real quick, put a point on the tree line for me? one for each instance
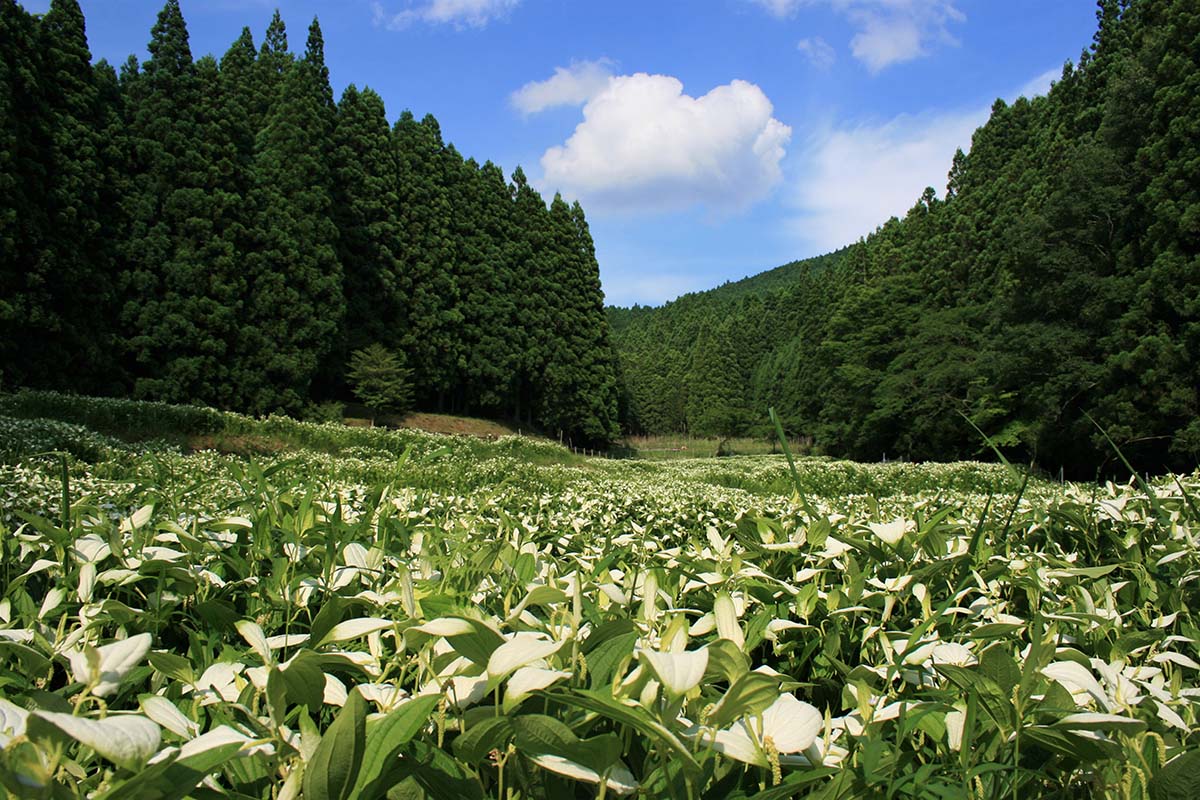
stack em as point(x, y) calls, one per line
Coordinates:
point(225, 232)
point(1050, 298)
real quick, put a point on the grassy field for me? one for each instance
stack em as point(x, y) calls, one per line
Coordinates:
point(376, 613)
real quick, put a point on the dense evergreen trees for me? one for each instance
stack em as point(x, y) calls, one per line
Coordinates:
point(226, 233)
point(1060, 278)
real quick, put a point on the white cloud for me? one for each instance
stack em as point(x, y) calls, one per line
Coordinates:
point(889, 31)
point(779, 8)
point(856, 177)
point(818, 51)
point(569, 86)
point(1041, 84)
point(645, 145)
point(459, 13)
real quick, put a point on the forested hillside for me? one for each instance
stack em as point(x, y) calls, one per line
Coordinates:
point(1057, 278)
point(222, 231)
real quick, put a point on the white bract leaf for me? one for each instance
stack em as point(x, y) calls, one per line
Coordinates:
point(354, 628)
point(51, 601)
point(952, 653)
point(618, 779)
point(112, 662)
point(127, 740)
point(726, 616)
point(1089, 721)
point(530, 679)
point(444, 626)
point(335, 693)
point(790, 724)
point(219, 682)
point(87, 582)
point(889, 532)
point(1174, 658)
point(523, 648)
point(955, 722)
point(12, 721)
point(256, 638)
point(166, 714)
point(1079, 681)
point(678, 672)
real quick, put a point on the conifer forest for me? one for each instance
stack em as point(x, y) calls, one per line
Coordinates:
point(225, 232)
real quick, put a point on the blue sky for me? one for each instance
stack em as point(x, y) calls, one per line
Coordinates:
point(707, 139)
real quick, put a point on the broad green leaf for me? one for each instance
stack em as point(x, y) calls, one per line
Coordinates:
point(748, 695)
point(385, 738)
point(333, 769)
point(635, 717)
point(1178, 779)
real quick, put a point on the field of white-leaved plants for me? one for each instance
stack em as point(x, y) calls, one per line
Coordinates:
point(466, 622)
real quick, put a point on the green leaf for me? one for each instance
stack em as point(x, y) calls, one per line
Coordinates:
point(998, 665)
point(305, 680)
point(996, 704)
point(1179, 778)
point(494, 733)
point(749, 694)
point(726, 661)
point(173, 779)
point(331, 773)
point(385, 738)
point(330, 614)
point(635, 717)
point(606, 659)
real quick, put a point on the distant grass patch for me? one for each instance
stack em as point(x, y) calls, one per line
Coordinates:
point(133, 420)
point(662, 448)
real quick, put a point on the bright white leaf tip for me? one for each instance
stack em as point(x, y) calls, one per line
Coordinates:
point(726, 616)
point(444, 626)
point(792, 726)
point(953, 653)
point(115, 662)
point(889, 532)
point(1100, 722)
point(522, 649)
point(530, 679)
point(1078, 680)
point(618, 779)
point(678, 672)
point(126, 740)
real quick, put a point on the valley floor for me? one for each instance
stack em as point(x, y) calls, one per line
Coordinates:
point(367, 609)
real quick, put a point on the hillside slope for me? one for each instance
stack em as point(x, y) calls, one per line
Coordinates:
point(1057, 281)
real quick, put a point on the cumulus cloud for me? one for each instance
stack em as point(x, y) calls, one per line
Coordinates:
point(568, 86)
point(818, 51)
point(645, 145)
point(459, 13)
point(856, 177)
point(888, 31)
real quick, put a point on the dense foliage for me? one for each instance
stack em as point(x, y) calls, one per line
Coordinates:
point(224, 233)
point(494, 619)
point(1058, 278)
